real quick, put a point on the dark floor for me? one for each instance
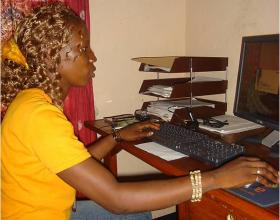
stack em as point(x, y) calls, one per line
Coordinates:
point(172, 216)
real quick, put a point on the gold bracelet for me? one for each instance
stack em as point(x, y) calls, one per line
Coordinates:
point(195, 177)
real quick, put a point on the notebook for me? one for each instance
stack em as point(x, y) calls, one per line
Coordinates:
point(258, 194)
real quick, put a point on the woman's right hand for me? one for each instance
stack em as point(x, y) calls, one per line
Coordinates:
point(245, 170)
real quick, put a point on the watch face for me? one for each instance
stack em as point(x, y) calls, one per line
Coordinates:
point(141, 115)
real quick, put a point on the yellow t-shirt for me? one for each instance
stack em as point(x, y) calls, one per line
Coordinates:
point(37, 142)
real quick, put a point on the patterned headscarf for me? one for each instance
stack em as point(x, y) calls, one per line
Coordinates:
point(12, 11)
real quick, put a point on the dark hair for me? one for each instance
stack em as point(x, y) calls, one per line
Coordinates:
point(40, 37)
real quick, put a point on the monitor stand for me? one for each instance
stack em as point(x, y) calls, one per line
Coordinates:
point(271, 141)
point(275, 148)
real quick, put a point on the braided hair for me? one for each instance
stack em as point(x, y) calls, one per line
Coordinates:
point(40, 37)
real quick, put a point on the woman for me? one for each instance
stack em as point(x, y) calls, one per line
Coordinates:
point(43, 163)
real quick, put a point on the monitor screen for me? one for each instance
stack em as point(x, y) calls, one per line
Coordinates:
point(257, 90)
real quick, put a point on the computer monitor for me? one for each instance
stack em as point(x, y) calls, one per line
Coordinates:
point(257, 89)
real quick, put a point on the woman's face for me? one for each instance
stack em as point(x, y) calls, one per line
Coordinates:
point(76, 67)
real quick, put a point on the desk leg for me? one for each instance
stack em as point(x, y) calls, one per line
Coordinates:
point(183, 211)
point(110, 162)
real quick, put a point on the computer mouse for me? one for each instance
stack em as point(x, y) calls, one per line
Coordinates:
point(247, 185)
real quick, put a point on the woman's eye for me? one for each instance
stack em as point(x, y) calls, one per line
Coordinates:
point(83, 50)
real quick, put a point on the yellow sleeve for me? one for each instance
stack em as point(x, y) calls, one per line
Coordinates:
point(53, 140)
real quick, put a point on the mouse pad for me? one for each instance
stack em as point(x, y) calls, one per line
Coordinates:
point(258, 194)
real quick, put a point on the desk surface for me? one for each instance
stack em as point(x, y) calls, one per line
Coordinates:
point(182, 167)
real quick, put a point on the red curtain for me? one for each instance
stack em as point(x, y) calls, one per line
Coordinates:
point(79, 104)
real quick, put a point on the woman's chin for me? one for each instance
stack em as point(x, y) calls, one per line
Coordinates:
point(92, 75)
point(81, 84)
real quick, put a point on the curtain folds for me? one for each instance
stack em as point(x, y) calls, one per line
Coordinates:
point(79, 104)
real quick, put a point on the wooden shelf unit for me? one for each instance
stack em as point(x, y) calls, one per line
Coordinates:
point(199, 112)
point(181, 64)
point(183, 87)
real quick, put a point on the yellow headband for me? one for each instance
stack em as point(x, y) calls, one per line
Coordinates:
point(11, 52)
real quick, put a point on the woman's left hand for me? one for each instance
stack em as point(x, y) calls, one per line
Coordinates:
point(138, 130)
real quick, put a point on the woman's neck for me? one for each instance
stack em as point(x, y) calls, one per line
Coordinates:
point(65, 88)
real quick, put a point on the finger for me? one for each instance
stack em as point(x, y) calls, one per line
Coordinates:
point(263, 181)
point(266, 182)
point(261, 170)
point(269, 176)
point(261, 166)
point(145, 134)
point(264, 172)
point(251, 158)
point(154, 123)
point(155, 120)
point(150, 126)
point(273, 185)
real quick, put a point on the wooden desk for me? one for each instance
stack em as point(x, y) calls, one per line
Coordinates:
point(215, 205)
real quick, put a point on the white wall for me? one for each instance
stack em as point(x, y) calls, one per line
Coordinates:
point(216, 27)
point(125, 29)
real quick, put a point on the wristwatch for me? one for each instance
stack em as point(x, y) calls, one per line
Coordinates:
point(117, 136)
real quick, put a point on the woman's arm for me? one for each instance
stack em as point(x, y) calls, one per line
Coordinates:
point(98, 184)
point(102, 147)
point(130, 133)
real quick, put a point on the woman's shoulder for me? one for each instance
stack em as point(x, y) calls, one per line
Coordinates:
point(30, 108)
point(34, 103)
point(34, 94)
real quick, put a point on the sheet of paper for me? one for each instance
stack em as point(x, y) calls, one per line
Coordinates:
point(235, 125)
point(162, 90)
point(205, 79)
point(160, 151)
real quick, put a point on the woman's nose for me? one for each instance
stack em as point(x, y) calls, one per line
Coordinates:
point(92, 57)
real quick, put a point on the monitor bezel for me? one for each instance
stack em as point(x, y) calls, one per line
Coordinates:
point(246, 115)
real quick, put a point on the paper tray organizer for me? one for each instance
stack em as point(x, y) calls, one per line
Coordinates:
point(184, 87)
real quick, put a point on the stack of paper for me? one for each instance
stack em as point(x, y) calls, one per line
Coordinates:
point(165, 109)
point(161, 90)
point(150, 68)
point(162, 110)
point(189, 103)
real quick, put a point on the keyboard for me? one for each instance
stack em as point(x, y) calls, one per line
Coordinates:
point(195, 144)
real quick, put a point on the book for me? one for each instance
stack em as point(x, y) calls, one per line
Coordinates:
point(162, 90)
point(116, 118)
point(258, 194)
point(165, 109)
point(233, 124)
point(120, 121)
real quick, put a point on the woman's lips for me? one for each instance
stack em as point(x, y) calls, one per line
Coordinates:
point(91, 72)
